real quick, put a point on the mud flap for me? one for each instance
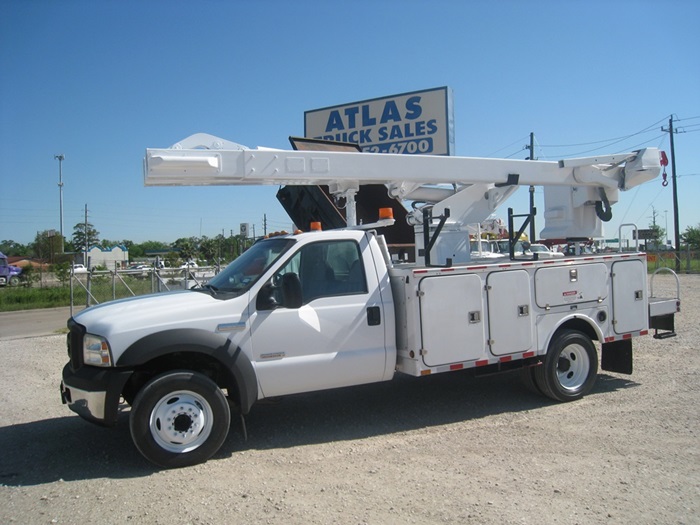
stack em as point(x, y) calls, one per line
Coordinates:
point(617, 356)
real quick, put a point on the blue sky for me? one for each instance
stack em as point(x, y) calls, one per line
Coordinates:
point(100, 81)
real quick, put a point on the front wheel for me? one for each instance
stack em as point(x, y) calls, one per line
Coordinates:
point(179, 419)
point(570, 367)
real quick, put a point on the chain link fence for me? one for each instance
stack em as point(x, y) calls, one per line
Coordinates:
point(99, 286)
point(686, 261)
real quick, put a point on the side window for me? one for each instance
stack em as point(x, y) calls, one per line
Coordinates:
point(346, 261)
point(326, 269)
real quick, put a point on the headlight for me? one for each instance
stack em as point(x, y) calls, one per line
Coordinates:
point(96, 351)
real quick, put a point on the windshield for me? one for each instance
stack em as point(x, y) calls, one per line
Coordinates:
point(503, 246)
point(538, 248)
point(240, 275)
point(474, 246)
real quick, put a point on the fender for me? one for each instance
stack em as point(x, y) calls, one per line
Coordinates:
point(237, 365)
point(580, 317)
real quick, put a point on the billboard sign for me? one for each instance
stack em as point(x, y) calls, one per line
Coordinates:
point(420, 122)
point(644, 235)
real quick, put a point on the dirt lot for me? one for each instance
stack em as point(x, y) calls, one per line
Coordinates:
point(443, 449)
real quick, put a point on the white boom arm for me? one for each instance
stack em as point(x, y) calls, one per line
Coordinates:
point(479, 185)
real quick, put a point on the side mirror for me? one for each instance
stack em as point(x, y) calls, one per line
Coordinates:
point(266, 298)
point(291, 290)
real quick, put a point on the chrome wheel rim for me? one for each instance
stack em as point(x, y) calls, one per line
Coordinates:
point(573, 366)
point(181, 421)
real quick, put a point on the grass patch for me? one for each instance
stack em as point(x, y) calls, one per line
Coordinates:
point(22, 298)
point(102, 290)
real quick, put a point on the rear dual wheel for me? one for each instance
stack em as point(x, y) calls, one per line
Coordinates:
point(570, 367)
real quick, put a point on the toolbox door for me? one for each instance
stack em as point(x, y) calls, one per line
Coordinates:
point(510, 312)
point(575, 284)
point(629, 288)
point(451, 316)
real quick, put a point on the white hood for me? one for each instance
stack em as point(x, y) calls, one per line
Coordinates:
point(125, 321)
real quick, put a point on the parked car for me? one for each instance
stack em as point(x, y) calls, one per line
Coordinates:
point(189, 264)
point(79, 268)
point(519, 248)
point(485, 250)
point(139, 270)
point(543, 252)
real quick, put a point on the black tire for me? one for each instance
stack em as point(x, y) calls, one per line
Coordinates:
point(14, 281)
point(179, 419)
point(527, 375)
point(570, 367)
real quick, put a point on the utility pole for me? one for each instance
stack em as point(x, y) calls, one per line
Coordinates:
point(264, 223)
point(87, 241)
point(676, 227)
point(532, 191)
point(60, 158)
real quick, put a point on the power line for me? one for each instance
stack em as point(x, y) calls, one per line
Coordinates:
point(663, 136)
point(508, 146)
point(579, 153)
point(515, 153)
point(612, 140)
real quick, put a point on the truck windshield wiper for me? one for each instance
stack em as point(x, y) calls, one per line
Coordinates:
point(213, 289)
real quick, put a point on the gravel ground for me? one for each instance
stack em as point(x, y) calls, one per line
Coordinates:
point(442, 449)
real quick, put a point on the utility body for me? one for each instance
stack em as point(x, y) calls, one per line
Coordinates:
point(326, 309)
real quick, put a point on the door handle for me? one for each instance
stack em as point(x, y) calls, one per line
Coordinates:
point(374, 316)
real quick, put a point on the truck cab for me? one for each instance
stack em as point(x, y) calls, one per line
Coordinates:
point(294, 313)
point(9, 274)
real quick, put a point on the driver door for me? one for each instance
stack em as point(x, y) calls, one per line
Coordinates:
point(336, 338)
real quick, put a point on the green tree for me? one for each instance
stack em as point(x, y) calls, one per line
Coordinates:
point(136, 251)
point(139, 251)
point(691, 237)
point(85, 236)
point(62, 272)
point(171, 259)
point(12, 248)
point(658, 235)
point(30, 274)
point(187, 247)
point(127, 244)
point(47, 245)
point(69, 247)
point(210, 248)
point(105, 243)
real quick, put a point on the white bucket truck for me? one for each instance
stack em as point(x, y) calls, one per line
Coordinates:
point(325, 309)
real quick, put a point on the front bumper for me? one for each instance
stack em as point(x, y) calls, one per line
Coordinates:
point(93, 393)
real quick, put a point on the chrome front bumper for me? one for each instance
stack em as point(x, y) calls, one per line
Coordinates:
point(89, 405)
point(93, 393)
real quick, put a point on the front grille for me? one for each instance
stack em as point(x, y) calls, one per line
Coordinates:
point(74, 341)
